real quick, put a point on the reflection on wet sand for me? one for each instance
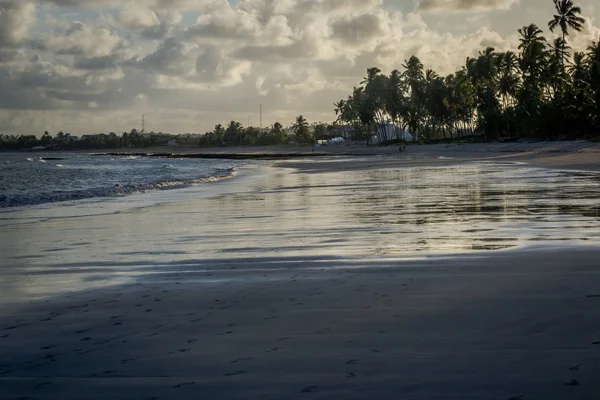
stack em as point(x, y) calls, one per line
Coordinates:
point(445, 210)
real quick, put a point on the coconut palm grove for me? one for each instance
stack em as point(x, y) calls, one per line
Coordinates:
point(542, 90)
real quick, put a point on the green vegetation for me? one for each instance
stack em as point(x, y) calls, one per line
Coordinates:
point(540, 91)
point(300, 132)
point(132, 139)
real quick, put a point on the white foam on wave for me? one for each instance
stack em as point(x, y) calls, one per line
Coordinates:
point(113, 191)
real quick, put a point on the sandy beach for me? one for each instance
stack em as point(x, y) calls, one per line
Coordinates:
point(445, 272)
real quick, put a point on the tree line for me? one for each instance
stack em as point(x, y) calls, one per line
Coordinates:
point(231, 135)
point(542, 90)
point(132, 139)
point(234, 134)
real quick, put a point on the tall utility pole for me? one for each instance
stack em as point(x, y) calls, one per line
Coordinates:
point(260, 117)
point(143, 123)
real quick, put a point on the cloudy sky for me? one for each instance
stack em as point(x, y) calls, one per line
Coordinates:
point(86, 66)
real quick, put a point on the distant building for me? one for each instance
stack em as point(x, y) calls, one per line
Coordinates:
point(340, 131)
point(392, 132)
point(172, 142)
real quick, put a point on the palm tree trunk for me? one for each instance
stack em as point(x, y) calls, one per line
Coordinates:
point(564, 45)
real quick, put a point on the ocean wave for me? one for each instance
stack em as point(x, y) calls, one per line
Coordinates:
point(113, 191)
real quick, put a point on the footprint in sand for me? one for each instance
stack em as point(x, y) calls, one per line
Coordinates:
point(575, 368)
point(192, 341)
point(241, 360)
point(42, 384)
point(183, 384)
point(236, 373)
point(351, 362)
point(10, 328)
point(48, 347)
point(350, 375)
point(272, 350)
point(309, 389)
point(517, 398)
point(572, 383)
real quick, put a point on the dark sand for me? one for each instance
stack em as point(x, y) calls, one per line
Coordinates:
point(316, 286)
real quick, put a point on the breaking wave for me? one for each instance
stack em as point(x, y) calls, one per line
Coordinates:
point(15, 200)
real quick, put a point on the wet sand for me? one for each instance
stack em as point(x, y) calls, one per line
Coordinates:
point(435, 278)
point(571, 155)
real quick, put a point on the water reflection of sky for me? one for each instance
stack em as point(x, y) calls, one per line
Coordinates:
point(446, 210)
point(288, 219)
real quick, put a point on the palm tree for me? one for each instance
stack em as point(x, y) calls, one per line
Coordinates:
point(277, 129)
point(301, 130)
point(593, 60)
point(567, 16)
point(300, 122)
point(339, 109)
point(530, 34)
point(234, 132)
point(508, 82)
point(560, 50)
point(414, 113)
point(395, 98)
point(372, 73)
point(437, 94)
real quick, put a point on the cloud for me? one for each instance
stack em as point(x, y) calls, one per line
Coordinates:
point(355, 30)
point(465, 5)
point(83, 39)
point(153, 4)
point(189, 64)
point(16, 18)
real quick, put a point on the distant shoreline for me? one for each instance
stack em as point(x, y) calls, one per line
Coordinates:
point(578, 155)
point(235, 156)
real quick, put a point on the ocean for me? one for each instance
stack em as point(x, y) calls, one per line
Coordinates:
point(39, 178)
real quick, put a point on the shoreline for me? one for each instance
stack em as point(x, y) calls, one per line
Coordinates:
point(573, 155)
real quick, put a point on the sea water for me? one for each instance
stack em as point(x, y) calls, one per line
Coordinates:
point(39, 178)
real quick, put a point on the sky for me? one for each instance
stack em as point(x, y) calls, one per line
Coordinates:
point(90, 66)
